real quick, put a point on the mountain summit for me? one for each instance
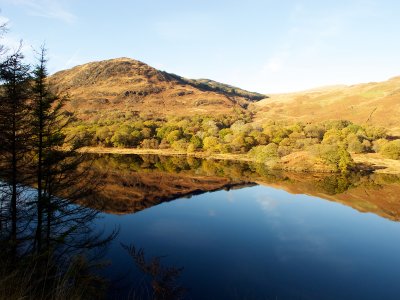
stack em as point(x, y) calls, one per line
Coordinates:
point(128, 85)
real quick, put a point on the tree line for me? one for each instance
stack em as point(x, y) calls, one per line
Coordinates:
point(332, 142)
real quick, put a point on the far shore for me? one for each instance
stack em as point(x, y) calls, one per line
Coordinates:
point(166, 152)
point(375, 161)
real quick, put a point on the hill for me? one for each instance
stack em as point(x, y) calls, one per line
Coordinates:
point(376, 103)
point(125, 85)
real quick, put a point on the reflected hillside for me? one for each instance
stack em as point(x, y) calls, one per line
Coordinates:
point(369, 193)
point(131, 183)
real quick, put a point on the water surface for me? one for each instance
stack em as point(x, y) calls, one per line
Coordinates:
point(235, 239)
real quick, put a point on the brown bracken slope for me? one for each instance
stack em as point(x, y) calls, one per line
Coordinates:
point(376, 103)
point(129, 86)
point(126, 87)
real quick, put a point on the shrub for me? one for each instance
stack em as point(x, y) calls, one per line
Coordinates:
point(354, 144)
point(304, 143)
point(314, 131)
point(284, 150)
point(332, 136)
point(378, 144)
point(375, 133)
point(173, 136)
point(223, 132)
point(149, 144)
point(209, 143)
point(264, 153)
point(391, 149)
point(196, 142)
point(191, 148)
point(180, 145)
point(146, 132)
point(335, 155)
point(260, 138)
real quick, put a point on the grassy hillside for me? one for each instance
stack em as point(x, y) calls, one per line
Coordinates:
point(375, 103)
point(125, 86)
point(128, 87)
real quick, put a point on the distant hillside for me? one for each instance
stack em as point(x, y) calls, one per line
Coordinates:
point(211, 85)
point(376, 103)
point(125, 85)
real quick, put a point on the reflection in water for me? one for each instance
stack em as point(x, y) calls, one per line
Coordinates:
point(249, 239)
point(56, 248)
point(164, 283)
point(244, 241)
point(131, 183)
point(263, 243)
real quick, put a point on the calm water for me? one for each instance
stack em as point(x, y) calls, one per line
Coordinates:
point(259, 242)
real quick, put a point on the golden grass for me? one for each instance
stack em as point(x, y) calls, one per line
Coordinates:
point(125, 85)
point(382, 165)
point(375, 103)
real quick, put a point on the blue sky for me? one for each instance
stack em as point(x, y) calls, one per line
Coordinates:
point(265, 46)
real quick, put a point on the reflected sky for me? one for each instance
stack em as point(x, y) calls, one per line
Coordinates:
point(263, 243)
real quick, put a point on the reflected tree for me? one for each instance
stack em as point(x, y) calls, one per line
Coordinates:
point(163, 280)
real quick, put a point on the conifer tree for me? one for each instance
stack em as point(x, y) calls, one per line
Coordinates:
point(14, 131)
point(46, 136)
point(58, 179)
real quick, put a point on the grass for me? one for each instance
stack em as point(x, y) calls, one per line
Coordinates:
point(38, 277)
point(354, 103)
point(382, 165)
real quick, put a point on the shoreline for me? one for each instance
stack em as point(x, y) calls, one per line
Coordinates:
point(166, 152)
point(374, 161)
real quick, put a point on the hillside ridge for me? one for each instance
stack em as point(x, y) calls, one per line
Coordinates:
point(124, 87)
point(128, 85)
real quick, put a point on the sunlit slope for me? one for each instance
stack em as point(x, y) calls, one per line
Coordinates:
point(127, 87)
point(376, 103)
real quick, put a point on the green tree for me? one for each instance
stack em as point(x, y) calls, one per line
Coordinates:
point(354, 144)
point(264, 153)
point(332, 136)
point(335, 155)
point(210, 143)
point(59, 182)
point(47, 124)
point(173, 136)
point(14, 128)
point(196, 142)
